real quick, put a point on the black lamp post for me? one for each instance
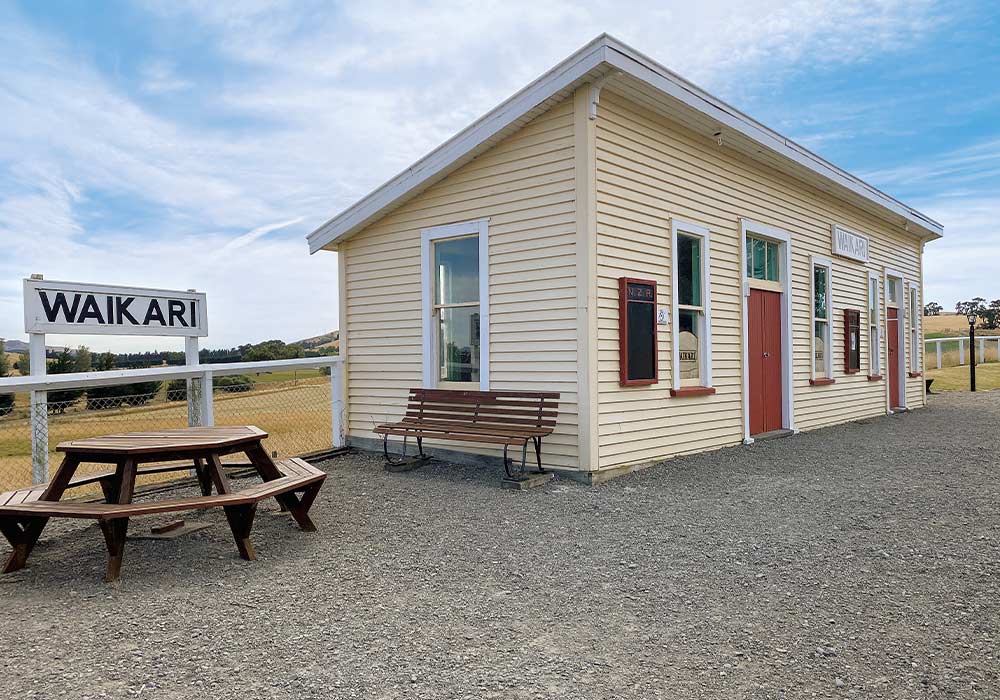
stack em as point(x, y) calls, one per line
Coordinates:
point(972, 349)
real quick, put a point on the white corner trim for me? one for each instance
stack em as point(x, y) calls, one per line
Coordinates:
point(814, 262)
point(749, 227)
point(478, 227)
point(705, 337)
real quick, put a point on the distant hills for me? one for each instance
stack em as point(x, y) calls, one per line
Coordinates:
point(327, 340)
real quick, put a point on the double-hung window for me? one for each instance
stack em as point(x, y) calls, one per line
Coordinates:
point(822, 357)
point(913, 312)
point(692, 315)
point(874, 326)
point(455, 309)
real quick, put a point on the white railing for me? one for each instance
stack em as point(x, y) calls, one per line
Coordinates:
point(962, 342)
point(200, 394)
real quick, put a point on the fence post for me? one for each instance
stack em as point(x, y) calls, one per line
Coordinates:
point(336, 404)
point(982, 350)
point(39, 411)
point(938, 349)
point(961, 351)
point(191, 357)
point(207, 409)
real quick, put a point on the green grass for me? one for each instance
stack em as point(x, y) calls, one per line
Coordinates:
point(957, 378)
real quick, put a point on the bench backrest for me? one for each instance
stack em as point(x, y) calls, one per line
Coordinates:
point(537, 409)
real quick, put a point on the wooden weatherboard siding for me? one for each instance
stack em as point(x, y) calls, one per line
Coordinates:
point(526, 186)
point(650, 169)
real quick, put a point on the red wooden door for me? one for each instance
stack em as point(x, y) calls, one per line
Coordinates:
point(892, 331)
point(764, 356)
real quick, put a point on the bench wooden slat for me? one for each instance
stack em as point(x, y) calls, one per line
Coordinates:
point(444, 435)
point(498, 393)
point(484, 428)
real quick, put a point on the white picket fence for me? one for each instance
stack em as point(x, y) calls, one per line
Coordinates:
point(200, 394)
point(963, 343)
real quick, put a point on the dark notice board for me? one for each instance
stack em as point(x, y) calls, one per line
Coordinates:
point(852, 341)
point(637, 331)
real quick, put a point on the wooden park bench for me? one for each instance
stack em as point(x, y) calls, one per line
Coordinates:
point(489, 417)
point(23, 513)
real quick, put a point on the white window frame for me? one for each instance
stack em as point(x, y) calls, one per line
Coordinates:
point(428, 236)
point(913, 321)
point(874, 353)
point(784, 239)
point(814, 262)
point(705, 330)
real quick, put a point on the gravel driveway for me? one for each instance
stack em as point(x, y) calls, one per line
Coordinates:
point(856, 561)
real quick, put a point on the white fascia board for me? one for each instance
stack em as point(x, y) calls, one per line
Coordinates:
point(630, 61)
point(562, 76)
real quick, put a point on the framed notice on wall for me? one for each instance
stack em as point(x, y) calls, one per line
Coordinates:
point(852, 341)
point(637, 331)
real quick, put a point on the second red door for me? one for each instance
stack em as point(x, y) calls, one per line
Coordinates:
point(764, 356)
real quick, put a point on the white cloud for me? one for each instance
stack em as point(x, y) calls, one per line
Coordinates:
point(160, 77)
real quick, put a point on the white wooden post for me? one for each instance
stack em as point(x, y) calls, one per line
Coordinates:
point(982, 350)
point(336, 404)
point(39, 410)
point(191, 357)
point(207, 408)
point(937, 347)
point(961, 351)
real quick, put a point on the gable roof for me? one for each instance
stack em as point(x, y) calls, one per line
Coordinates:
point(647, 82)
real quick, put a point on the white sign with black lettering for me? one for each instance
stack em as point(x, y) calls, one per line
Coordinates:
point(101, 309)
point(849, 244)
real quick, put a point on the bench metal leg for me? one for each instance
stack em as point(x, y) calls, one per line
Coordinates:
point(538, 453)
point(515, 471)
point(402, 458)
point(241, 522)
point(114, 537)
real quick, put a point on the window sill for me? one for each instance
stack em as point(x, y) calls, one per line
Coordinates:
point(874, 377)
point(692, 391)
point(851, 371)
point(913, 375)
point(821, 382)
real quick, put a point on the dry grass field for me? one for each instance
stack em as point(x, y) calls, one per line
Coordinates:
point(295, 414)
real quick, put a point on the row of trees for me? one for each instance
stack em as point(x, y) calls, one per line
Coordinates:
point(987, 313)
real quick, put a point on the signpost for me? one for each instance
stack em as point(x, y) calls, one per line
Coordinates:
point(99, 309)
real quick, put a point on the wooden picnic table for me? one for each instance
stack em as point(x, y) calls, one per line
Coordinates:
point(24, 513)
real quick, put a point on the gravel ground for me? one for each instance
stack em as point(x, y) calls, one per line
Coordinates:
point(856, 561)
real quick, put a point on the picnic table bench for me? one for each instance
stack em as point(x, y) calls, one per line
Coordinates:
point(24, 513)
point(487, 417)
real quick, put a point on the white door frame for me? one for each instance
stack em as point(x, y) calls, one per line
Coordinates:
point(784, 241)
point(900, 337)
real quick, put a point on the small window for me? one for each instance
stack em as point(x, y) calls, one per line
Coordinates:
point(763, 258)
point(892, 291)
point(914, 315)
point(874, 337)
point(822, 366)
point(692, 333)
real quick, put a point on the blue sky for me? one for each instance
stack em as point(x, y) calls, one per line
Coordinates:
point(193, 145)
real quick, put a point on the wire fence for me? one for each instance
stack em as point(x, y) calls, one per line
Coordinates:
point(294, 411)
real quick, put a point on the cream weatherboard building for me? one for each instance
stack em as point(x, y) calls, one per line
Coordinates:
point(685, 277)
